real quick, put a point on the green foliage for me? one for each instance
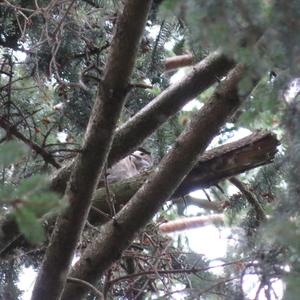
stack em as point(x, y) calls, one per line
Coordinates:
point(263, 108)
point(262, 34)
point(292, 288)
point(29, 225)
point(30, 199)
point(169, 5)
point(10, 152)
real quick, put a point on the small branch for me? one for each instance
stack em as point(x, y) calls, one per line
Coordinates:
point(87, 284)
point(179, 61)
point(213, 166)
point(260, 214)
point(6, 246)
point(101, 213)
point(109, 195)
point(190, 223)
point(88, 224)
point(131, 134)
point(201, 203)
point(10, 129)
point(117, 234)
point(62, 19)
point(178, 271)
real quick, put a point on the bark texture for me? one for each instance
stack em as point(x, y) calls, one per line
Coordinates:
point(191, 222)
point(178, 61)
point(130, 135)
point(213, 166)
point(111, 96)
point(119, 232)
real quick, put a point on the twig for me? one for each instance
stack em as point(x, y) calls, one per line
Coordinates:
point(260, 214)
point(174, 271)
point(2, 250)
point(101, 213)
point(109, 198)
point(44, 153)
point(88, 224)
point(85, 283)
point(190, 222)
point(62, 19)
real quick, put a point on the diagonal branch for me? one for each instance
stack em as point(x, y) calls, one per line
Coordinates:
point(213, 166)
point(119, 232)
point(91, 287)
point(260, 214)
point(190, 223)
point(178, 61)
point(159, 110)
point(89, 163)
point(130, 135)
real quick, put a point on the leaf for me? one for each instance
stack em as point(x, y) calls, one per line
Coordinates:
point(10, 152)
point(29, 225)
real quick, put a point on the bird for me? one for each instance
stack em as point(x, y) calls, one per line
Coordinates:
point(129, 166)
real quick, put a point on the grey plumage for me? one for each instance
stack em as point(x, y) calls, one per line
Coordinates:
point(129, 166)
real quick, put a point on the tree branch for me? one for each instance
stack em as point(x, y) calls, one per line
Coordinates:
point(187, 200)
point(178, 61)
point(191, 222)
point(213, 166)
point(91, 287)
point(11, 129)
point(193, 270)
point(260, 214)
point(130, 135)
point(89, 163)
point(119, 232)
point(160, 109)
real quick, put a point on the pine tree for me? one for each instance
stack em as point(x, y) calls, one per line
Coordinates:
point(86, 87)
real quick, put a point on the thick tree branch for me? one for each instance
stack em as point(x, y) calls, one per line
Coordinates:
point(130, 135)
point(118, 233)
point(98, 138)
point(159, 110)
point(191, 222)
point(222, 162)
point(213, 166)
point(178, 61)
